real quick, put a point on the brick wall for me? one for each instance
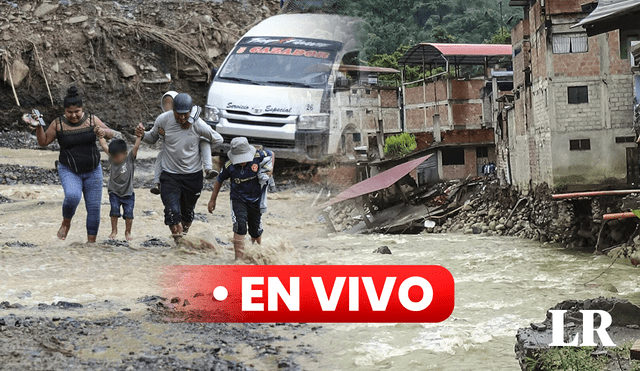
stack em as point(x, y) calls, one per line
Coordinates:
point(617, 65)
point(467, 136)
point(462, 171)
point(564, 6)
point(466, 114)
point(389, 98)
point(341, 177)
point(466, 89)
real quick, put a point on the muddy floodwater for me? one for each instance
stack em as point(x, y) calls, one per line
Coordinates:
point(501, 283)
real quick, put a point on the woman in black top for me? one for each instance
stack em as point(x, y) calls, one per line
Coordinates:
point(79, 168)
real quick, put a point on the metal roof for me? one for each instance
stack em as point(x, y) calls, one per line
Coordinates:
point(377, 182)
point(611, 15)
point(455, 54)
point(347, 67)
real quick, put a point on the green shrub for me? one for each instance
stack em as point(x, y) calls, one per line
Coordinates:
point(399, 145)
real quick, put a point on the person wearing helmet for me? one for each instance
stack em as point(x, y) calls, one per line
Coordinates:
point(166, 103)
point(181, 178)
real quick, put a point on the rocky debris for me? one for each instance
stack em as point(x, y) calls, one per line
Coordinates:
point(506, 211)
point(201, 217)
point(5, 200)
point(44, 9)
point(344, 215)
point(7, 305)
point(126, 69)
point(15, 174)
point(533, 342)
point(115, 243)
point(19, 244)
point(20, 140)
point(67, 305)
point(155, 242)
point(382, 250)
point(100, 45)
point(62, 343)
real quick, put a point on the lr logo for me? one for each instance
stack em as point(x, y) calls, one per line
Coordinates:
point(557, 329)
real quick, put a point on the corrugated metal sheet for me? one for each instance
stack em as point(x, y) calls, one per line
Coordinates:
point(346, 67)
point(456, 54)
point(375, 183)
point(608, 10)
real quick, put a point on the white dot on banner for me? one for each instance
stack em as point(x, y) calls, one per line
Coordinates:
point(220, 293)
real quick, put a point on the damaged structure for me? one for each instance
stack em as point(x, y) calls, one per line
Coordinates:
point(569, 121)
point(453, 113)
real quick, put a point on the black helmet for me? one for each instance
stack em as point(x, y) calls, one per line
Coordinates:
point(182, 103)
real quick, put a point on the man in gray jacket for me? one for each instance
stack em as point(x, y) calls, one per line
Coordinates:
point(181, 179)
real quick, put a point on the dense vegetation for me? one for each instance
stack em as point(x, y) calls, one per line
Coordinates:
point(390, 24)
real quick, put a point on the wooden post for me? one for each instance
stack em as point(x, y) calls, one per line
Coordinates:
point(380, 138)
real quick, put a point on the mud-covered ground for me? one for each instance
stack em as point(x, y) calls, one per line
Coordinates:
point(69, 305)
point(111, 50)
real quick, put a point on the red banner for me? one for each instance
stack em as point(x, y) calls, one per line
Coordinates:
point(312, 293)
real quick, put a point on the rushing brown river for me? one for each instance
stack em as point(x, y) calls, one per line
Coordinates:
point(501, 283)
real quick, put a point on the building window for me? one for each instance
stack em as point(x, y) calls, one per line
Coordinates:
point(570, 43)
point(580, 145)
point(578, 94)
point(630, 139)
point(452, 156)
point(482, 152)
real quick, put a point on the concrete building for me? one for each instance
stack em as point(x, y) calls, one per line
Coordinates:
point(569, 121)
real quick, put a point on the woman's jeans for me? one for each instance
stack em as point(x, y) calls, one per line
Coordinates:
point(75, 186)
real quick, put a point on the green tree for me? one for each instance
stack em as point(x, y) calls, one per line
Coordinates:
point(503, 36)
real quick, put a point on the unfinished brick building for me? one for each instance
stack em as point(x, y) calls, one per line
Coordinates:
point(451, 112)
point(570, 119)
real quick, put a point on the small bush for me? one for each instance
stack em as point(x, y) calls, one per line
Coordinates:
point(400, 145)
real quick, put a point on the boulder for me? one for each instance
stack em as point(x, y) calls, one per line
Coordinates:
point(19, 71)
point(45, 9)
point(125, 68)
point(382, 250)
point(78, 19)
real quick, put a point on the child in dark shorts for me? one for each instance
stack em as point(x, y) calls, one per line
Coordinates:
point(121, 195)
point(245, 166)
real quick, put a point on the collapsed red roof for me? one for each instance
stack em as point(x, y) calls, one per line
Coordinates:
point(433, 54)
point(377, 182)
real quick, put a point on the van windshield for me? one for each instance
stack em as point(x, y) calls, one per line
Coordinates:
point(291, 62)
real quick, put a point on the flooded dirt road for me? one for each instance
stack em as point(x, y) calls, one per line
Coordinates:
point(501, 284)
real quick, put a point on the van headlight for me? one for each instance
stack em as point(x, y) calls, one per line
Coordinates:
point(211, 114)
point(313, 122)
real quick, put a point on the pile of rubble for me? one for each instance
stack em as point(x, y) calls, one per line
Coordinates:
point(122, 55)
point(576, 223)
point(482, 206)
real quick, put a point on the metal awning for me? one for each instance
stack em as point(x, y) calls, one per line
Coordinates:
point(377, 182)
point(347, 68)
point(431, 54)
point(611, 15)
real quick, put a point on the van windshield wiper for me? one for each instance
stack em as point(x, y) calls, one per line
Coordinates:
point(241, 79)
point(290, 83)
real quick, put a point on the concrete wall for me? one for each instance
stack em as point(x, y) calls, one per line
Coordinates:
point(542, 122)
